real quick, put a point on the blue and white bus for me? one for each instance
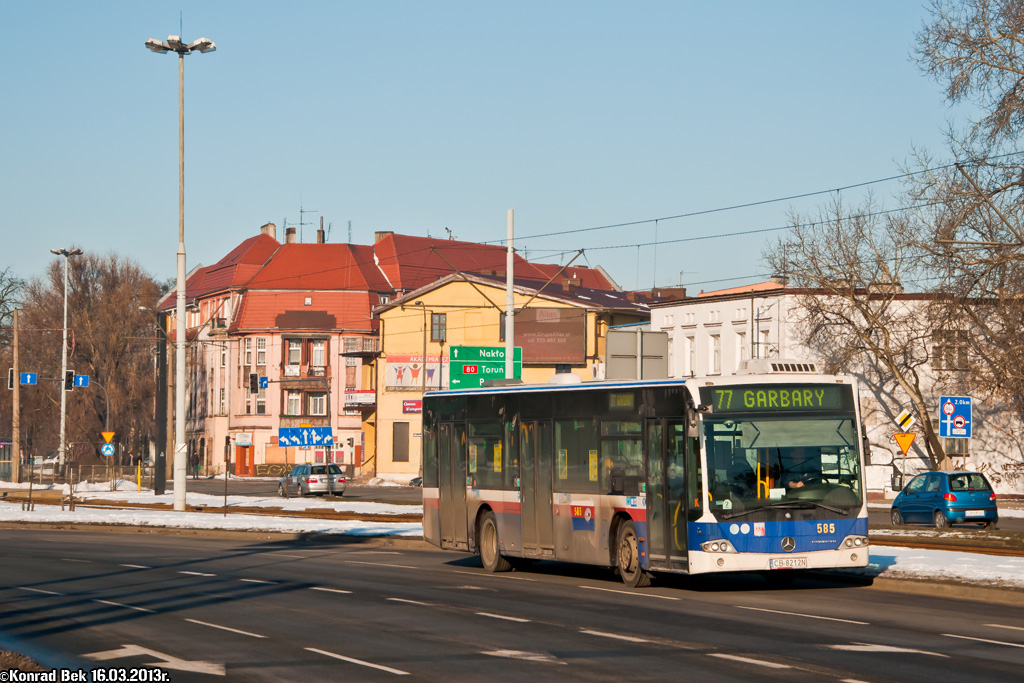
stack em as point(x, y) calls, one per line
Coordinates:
point(757, 472)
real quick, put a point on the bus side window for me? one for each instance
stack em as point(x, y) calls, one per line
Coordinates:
point(694, 475)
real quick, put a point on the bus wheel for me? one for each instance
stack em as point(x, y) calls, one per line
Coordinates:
point(489, 551)
point(628, 557)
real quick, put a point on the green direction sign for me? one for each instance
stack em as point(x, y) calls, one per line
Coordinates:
point(469, 366)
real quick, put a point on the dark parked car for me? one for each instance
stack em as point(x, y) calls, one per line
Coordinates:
point(416, 481)
point(945, 498)
point(309, 479)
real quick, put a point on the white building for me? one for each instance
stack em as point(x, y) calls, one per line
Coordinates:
point(714, 332)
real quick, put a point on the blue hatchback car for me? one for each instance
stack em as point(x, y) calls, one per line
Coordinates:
point(946, 498)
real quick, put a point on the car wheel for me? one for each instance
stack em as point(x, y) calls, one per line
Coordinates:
point(302, 491)
point(897, 518)
point(628, 557)
point(490, 553)
point(280, 491)
point(986, 525)
point(940, 520)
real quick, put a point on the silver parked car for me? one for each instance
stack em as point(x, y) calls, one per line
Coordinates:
point(308, 479)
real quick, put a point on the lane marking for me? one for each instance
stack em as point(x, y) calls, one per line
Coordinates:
point(1015, 628)
point(39, 590)
point(197, 573)
point(397, 672)
point(616, 636)
point(633, 593)
point(297, 557)
point(809, 616)
point(869, 647)
point(494, 576)
point(376, 552)
point(329, 590)
point(118, 604)
point(411, 602)
point(380, 564)
point(167, 661)
point(528, 656)
point(135, 566)
point(258, 581)
point(983, 640)
point(750, 660)
point(502, 616)
point(225, 628)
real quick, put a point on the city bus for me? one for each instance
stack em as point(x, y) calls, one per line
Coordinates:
point(751, 472)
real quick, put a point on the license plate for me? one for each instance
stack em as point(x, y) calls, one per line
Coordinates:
point(975, 513)
point(787, 563)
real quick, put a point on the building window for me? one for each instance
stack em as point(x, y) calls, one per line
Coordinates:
point(764, 345)
point(317, 404)
point(224, 355)
point(949, 351)
point(318, 353)
point(293, 403)
point(248, 352)
point(351, 344)
point(956, 447)
point(715, 350)
point(438, 325)
point(223, 402)
point(261, 351)
point(294, 352)
point(691, 356)
point(261, 402)
point(741, 348)
point(383, 298)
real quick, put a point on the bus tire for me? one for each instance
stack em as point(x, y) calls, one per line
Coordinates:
point(490, 549)
point(627, 555)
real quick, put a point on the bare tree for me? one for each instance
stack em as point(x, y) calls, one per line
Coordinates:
point(110, 340)
point(850, 267)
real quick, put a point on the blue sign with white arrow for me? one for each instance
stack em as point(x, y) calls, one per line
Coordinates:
point(955, 417)
point(264, 382)
point(81, 380)
point(28, 378)
point(305, 436)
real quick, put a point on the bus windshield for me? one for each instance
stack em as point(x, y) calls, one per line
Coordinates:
point(782, 461)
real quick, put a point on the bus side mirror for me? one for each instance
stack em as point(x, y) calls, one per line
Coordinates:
point(618, 481)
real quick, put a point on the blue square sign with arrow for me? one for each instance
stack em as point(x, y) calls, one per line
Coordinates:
point(955, 417)
point(305, 436)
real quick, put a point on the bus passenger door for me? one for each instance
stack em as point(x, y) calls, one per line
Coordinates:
point(535, 489)
point(666, 493)
point(451, 458)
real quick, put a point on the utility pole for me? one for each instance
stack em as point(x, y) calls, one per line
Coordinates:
point(16, 417)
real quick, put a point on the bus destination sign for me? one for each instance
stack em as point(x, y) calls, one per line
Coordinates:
point(777, 398)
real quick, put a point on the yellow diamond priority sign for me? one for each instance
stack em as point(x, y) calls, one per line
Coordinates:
point(107, 436)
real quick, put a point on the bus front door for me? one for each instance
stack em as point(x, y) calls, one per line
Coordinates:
point(666, 493)
point(535, 489)
point(451, 457)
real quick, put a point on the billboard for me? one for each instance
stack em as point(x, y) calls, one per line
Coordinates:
point(552, 335)
point(410, 373)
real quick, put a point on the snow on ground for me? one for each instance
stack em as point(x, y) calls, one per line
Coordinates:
point(974, 568)
point(12, 512)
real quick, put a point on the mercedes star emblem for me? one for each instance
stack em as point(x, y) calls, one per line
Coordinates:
point(788, 544)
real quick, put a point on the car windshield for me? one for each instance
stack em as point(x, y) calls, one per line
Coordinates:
point(756, 463)
point(322, 469)
point(969, 481)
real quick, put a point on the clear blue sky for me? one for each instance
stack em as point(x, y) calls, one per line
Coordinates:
point(417, 116)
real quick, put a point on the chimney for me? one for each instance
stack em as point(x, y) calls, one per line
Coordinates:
point(289, 236)
point(269, 229)
point(378, 236)
point(780, 280)
point(320, 233)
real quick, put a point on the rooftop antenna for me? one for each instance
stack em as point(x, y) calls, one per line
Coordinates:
point(329, 231)
point(451, 237)
point(350, 232)
point(302, 215)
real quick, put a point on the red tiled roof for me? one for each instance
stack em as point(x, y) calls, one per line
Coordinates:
point(410, 263)
point(234, 270)
point(321, 267)
point(758, 287)
point(590, 278)
point(288, 311)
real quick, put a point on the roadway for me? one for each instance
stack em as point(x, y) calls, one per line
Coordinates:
point(877, 518)
point(216, 609)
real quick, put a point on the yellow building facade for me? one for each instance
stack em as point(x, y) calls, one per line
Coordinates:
point(559, 328)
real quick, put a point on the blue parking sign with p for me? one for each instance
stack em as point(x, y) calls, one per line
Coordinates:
point(955, 417)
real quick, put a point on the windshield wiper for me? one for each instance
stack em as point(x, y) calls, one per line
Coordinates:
point(788, 504)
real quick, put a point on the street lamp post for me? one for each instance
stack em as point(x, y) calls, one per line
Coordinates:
point(66, 253)
point(175, 45)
